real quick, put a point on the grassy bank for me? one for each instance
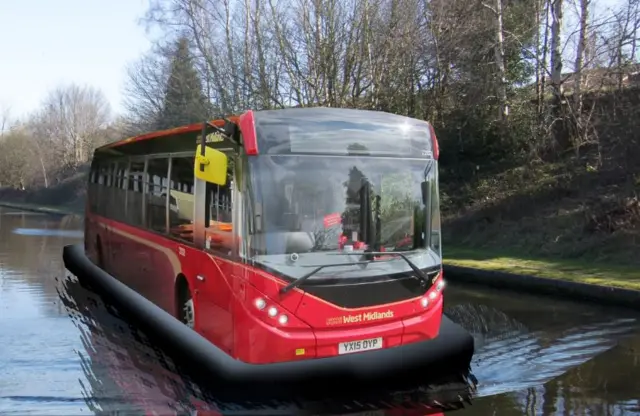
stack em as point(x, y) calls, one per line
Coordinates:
point(592, 272)
point(565, 209)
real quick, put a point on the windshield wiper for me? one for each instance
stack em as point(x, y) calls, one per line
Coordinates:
point(299, 281)
point(368, 257)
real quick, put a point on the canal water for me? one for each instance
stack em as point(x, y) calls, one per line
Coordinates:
point(62, 351)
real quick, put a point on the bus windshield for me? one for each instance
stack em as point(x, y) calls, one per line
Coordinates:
point(313, 204)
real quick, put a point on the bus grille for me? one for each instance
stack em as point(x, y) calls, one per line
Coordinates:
point(348, 293)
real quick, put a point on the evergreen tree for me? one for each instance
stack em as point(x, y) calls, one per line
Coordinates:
point(185, 101)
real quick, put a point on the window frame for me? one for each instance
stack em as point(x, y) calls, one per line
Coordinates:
point(236, 208)
point(167, 234)
point(105, 170)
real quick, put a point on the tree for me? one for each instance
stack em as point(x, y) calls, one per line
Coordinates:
point(184, 99)
point(497, 11)
point(70, 124)
point(579, 67)
point(5, 119)
point(556, 72)
point(144, 91)
point(465, 65)
point(17, 163)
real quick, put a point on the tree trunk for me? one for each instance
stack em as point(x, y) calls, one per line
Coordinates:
point(579, 67)
point(559, 130)
point(499, 56)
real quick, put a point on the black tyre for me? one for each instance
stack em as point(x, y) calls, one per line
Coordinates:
point(187, 308)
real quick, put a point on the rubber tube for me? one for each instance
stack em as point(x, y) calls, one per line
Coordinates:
point(399, 367)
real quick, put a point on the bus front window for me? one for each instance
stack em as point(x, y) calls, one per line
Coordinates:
point(312, 204)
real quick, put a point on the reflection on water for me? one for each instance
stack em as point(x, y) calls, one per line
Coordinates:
point(6, 213)
point(50, 233)
point(71, 354)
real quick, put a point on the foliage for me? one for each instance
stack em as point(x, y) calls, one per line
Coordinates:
point(56, 140)
point(184, 101)
point(517, 111)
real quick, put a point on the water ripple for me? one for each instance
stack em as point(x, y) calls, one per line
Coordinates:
point(510, 358)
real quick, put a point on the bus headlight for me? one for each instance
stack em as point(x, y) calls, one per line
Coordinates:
point(433, 295)
point(424, 302)
point(260, 303)
point(440, 285)
point(260, 306)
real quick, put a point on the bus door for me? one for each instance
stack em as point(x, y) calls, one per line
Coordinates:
point(215, 268)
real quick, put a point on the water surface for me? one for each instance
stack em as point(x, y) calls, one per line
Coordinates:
point(62, 351)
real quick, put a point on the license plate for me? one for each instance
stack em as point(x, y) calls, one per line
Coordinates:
point(362, 345)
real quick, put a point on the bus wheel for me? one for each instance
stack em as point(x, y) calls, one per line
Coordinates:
point(187, 308)
point(189, 314)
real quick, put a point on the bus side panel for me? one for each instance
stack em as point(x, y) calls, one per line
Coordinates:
point(92, 231)
point(164, 267)
point(96, 237)
point(124, 261)
point(149, 264)
point(146, 262)
point(159, 269)
point(214, 319)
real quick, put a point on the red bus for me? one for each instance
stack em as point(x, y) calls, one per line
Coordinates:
point(292, 234)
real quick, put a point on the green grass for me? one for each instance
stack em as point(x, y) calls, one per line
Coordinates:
point(623, 276)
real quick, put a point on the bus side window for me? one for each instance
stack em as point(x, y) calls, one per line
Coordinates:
point(157, 194)
point(181, 191)
point(220, 214)
point(220, 208)
point(109, 174)
point(101, 178)
point(117, 208)
point(134, 193)
point(121, 175)
point(102, 190)
point(92, 195)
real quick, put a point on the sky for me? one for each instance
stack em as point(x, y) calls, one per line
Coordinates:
point(44, 43)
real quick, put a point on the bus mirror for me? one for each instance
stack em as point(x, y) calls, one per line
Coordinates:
point(212, 166)
point(426, 191)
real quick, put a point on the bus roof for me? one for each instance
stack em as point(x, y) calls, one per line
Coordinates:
point(306, 130)
point(343, 131)
point(177, 131)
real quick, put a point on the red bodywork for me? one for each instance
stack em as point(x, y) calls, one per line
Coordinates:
point(225, 292)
